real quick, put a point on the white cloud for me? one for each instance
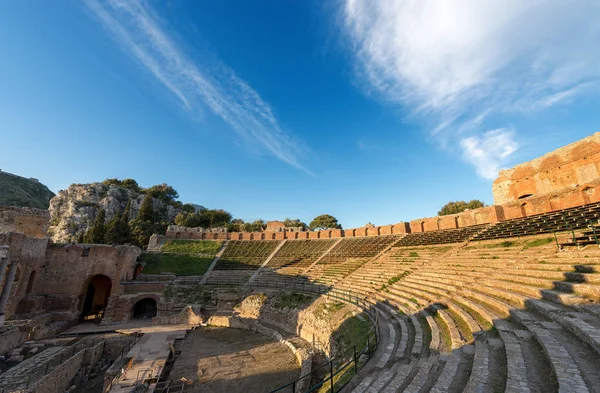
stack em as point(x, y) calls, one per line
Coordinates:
point(134, 25)
point(455, 60)
point(488, 151)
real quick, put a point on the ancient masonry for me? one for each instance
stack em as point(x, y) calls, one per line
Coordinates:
point(512, 315)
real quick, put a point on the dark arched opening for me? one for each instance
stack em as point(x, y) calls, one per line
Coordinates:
point(422, 226)
point(144, 309)
point(524, 210)
point(456, 222)
point(96, 297)
point(30, 282)
point(137, 271)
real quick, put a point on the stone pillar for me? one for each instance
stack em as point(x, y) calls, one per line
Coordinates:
point(12, 271)
point(3, 264)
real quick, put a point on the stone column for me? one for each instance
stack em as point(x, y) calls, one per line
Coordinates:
point(12, 271)
point(3, 264)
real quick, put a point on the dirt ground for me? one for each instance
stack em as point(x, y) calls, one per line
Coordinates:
point(216, 360)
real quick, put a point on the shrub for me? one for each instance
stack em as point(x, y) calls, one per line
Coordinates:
point(537, 242)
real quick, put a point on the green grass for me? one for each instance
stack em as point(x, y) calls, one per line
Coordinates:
point(445, 337)
point(183, 265)
point(504, 244)
point(537, 242)
point(413, 254)
point(462, 325)
point(352, 332)
point(293, 300)
point(195, 295)
point(208, 247)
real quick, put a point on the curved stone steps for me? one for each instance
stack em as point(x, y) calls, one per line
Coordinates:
point(478, 380)
point(586, 327)
point(568, 375)
point(429, 370)
point(447, 377)
point(434, 333)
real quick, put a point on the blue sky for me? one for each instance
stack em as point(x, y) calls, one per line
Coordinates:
point(373, 112)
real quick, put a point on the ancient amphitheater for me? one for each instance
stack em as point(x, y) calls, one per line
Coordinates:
point(501, 298)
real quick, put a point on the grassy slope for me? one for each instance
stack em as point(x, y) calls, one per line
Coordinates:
point(184, 265)
point(23, 192)
point(208, 247)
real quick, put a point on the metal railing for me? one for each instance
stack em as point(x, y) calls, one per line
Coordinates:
point(346, 364)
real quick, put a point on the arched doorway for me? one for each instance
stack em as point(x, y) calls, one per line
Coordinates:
point(422, 226)
point(137, 271)
point(30, 282)
point(523, 210)
point(97, 293)
point(144, 309)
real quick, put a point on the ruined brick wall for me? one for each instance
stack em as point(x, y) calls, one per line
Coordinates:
point(26, 220)
point(70, 267)
point(482, 215)
point(570, 166)
point(29, 254)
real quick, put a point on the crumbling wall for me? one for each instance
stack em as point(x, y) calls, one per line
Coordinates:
point(26, 220)
point(569, 166)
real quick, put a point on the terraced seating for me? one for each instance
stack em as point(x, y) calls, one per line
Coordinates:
point(486, 316)
point(442, 236)
point(462, 293)
point(556, 221)
point(297, 255)
point(245, 254)
point(358, 247)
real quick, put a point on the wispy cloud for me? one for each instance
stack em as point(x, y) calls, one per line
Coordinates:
point(487, 152)
point(135, 26)
point(463, 61)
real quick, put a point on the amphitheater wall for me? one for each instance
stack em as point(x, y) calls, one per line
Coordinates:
point(336, 233)
point(69, 268)
point(28, 221)
point(482, 215)
point(373, 231)
point(400, 228)
point(360, 232)
point(313, 235)
point(385, 230)
point(29, 254)
point(575, 164)
point(302, 235)
point(571, 197)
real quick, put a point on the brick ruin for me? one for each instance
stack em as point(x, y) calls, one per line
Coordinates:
point(45, 288)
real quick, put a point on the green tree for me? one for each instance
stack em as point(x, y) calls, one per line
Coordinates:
point(324, 221)
point(459, 207)
point(163, 192)
point(289, 223)
point(146, 212)
point(113, 233)
point(95, 234)
point(125, 183)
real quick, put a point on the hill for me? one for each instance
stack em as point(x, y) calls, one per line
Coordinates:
point(23, 192)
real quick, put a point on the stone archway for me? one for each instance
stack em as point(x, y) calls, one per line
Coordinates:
point(95, 298)
point(138, 269)
point(144, 309)
point(30, 282)
point(422, 226)
point(524, 210)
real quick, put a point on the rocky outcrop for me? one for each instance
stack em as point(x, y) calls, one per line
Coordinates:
point(72, 211)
